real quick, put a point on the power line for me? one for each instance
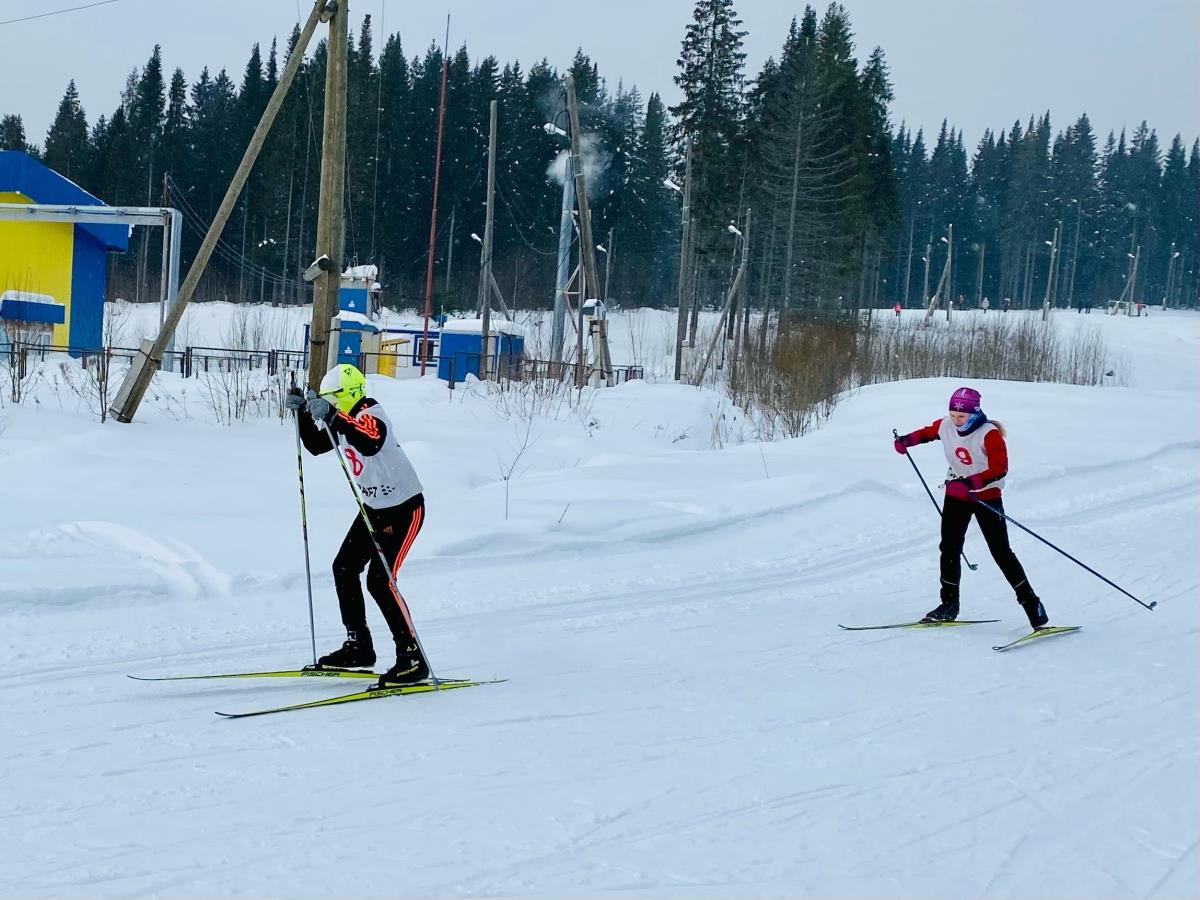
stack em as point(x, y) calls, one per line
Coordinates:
point(57, 12)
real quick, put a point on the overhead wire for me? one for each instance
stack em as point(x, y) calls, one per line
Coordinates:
point(57, 12)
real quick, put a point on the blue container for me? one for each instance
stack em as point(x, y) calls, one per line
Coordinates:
point(461, 346)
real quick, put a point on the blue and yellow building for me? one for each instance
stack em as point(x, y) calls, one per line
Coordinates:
point(52, 274)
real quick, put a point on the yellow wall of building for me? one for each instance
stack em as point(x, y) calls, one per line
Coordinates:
point(37, 257)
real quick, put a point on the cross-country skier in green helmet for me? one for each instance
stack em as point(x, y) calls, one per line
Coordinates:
point(340, 415)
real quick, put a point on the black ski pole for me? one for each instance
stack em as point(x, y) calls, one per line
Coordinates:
point(362, 510)
point(312, 626)
point(970, 565)
point(1008, 518)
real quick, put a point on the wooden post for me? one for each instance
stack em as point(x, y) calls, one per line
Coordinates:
point(485, 256)
point(681, 324)
point(330, 233)
point(137, 381)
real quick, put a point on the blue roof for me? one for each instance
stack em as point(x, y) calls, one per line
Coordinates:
point(23, 174)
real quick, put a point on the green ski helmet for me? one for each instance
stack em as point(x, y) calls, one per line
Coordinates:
point(343, 386)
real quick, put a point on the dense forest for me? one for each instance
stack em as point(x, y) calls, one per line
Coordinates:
point(848, 207)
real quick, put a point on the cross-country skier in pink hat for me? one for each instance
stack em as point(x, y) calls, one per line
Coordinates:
point(978, 459)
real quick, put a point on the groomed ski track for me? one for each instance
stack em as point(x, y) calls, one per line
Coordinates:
point(682, 716)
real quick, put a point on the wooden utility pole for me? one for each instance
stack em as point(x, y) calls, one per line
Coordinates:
point(681, 323)
point(588, 246)
point(943, 285)
point(979, 276)
point(450, 250)
point(1050, 276)
point(331, 236)
point(698, 378)
point(149, 358)
point(608, 256)
point(485, 256)
point(437, 172)
point(1074, 255)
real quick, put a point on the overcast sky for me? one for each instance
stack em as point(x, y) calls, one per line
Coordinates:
point(981, 63)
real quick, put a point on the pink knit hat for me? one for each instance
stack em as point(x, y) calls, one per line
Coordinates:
point(966, 400)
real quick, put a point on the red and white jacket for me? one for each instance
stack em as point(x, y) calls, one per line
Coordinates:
point(980, 456)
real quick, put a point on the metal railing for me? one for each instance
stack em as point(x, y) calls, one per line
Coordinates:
point(196, 360)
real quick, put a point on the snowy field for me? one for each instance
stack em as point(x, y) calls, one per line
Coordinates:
point(682, 718)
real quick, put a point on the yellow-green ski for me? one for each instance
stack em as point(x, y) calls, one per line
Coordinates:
point(306, 672)
point(923, 623)
point(423, 687)
point(1045, 631)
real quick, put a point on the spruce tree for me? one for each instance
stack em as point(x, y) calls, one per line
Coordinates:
point(711, 77)
point(66, 148)
point(12, 133)
point(649, 231)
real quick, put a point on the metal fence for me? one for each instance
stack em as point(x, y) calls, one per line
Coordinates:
point(194, 361)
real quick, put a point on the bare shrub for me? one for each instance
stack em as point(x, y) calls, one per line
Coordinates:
point(809, 364)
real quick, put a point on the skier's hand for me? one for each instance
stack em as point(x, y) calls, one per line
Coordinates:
point(903, 442)
point(293, 400)
point(959, 489)
point(320, 409)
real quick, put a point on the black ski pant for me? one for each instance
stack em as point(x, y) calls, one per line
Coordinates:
point(396, 527)
point(956, 516)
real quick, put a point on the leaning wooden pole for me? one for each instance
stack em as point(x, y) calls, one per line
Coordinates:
point(137, 381)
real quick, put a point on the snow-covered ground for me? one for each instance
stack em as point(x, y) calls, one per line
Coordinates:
point(682, 716)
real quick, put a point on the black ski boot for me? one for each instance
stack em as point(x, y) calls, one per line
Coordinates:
point(947, 611)
point(355, 653)
point(410, 667)
point(1035, 610)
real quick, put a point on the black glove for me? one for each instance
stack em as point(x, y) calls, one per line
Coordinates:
point(320, 409)
point(293, 400)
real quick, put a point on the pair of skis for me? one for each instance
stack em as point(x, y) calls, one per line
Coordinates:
point(1044, 632)
point(371, 693)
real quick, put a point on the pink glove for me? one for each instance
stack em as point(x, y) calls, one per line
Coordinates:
point(903, 442)
point(961, 488)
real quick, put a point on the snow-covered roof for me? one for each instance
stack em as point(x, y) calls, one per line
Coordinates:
point(358, 318)
point(28, 297)
point(497, 325)
point(364, 272)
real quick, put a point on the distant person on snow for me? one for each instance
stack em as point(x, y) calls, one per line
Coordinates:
point(978, 458)
point(391, 492)
point(986, 304)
